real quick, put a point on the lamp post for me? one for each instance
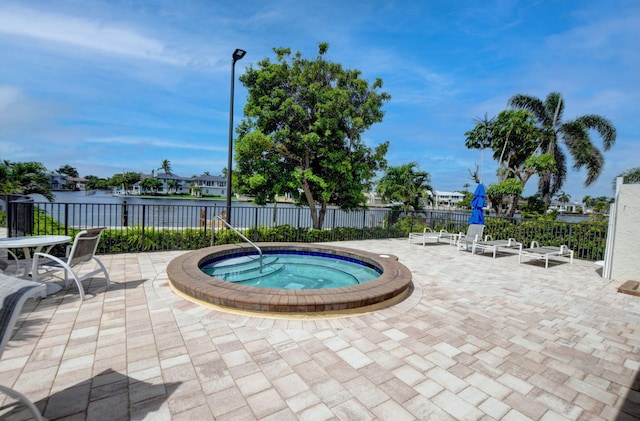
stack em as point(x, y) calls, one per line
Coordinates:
point(237, 55)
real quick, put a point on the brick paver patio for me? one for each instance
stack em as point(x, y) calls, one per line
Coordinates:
point(478, 339)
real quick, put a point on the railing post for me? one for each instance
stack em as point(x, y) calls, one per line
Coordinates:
point(66, 219)
point(204, 215)
point(333, 225)
point(570, 234)
point(255, 226)
point(125, 214)
point(144, 213)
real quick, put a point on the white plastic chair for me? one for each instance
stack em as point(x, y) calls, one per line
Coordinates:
point(13, 293)
point(83, 250)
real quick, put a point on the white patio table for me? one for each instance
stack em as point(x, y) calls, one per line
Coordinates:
point(38, 242)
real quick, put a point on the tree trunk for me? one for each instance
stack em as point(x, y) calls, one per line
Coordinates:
point(275, 211)
point(321, 215)
point(513, 206)
point(317, 224)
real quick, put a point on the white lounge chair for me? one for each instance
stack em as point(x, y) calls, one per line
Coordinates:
point(4, 264)
point(429, 234)
point(83, 250)
point(495, 245)
point(474, 234)
point(13, 293)
point(537, 252)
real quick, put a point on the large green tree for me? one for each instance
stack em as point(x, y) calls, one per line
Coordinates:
point(69, 170)
point(97, 183)
point(24, 178)
point(125, 180)
point(575, 134)
point(406, 184)
point(150, 184)
point(302, 132)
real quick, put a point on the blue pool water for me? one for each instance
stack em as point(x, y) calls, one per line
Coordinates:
point(292, 270)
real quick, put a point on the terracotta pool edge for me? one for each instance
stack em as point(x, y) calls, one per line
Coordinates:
point(186, 278)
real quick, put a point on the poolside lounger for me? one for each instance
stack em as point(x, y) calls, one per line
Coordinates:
point(429, 234)
point(537, 252)
point(495, 245)
point(14, 292)
point(473, 235)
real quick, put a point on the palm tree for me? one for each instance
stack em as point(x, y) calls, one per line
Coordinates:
point(630, 176)
point(24, 178)
point(406, 184)
point(563, 198)
point(574, 134)
point(165, 166)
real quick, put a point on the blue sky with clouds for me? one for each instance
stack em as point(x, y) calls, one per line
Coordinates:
point(112, 86)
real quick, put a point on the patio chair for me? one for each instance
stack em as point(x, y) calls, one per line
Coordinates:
point(429, 234)
point(489, 244)
point(13, 294)
point(474, 234)
point(83, 250)
point(537, 252)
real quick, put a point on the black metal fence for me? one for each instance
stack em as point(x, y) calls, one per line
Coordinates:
point(178, 226)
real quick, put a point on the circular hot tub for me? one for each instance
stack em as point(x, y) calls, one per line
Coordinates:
point(392, 286)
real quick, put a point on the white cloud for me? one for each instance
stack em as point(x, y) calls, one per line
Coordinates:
point(91, 34)
point(19, 111)
point(156, 143)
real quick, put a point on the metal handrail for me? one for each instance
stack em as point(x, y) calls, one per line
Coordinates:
point(243, 237)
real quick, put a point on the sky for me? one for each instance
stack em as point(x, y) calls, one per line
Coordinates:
point(113, 86)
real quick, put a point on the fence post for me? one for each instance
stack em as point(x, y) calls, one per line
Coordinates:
point(298, 226)
point(214, 211)
point(125, 214)
point(255, 226)
point(66, 219)
point(204, 218)
point(570, 234)
point(333, 226)
point(144, 213)
point(364, 222)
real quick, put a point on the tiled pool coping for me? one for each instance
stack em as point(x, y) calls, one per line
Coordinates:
point(393, 285)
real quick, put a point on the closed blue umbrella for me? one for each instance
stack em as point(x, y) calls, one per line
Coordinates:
point(477, 203)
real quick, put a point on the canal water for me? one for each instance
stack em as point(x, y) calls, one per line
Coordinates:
point(79, 209)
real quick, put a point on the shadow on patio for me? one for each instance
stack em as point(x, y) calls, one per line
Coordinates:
point(108, 395)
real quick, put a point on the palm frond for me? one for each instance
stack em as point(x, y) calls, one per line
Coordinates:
point(603, 126)
point(532, 104)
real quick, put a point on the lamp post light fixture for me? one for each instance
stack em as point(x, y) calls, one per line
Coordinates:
point(237, 55)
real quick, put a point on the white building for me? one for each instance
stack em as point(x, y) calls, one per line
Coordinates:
point(448, 199)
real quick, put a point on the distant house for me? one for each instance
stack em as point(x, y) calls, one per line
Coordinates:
point(448, 199)
point(566, 207)
point(440, 199)
point(77, 183)
point(207, 185)
point(57, 181)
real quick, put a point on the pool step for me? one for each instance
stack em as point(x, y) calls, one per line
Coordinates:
point(252, 274)
point(244, 268)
